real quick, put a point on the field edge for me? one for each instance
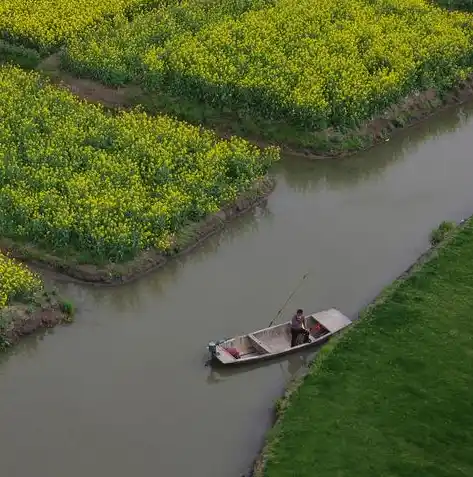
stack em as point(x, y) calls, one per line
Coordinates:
point(329, 143)
point(148, 260)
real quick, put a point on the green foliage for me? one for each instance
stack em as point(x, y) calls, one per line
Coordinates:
point(68, 310)
point(4, 323)
point(24, 57)
point(441, 232)
point(67, 307)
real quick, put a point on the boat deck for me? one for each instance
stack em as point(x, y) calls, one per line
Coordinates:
point(279, 343)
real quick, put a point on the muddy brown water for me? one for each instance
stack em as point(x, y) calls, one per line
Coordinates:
point(124, 390)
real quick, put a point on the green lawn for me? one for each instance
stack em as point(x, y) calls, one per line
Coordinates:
point(394, 396)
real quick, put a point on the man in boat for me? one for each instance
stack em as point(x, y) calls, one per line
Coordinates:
point(298, 327)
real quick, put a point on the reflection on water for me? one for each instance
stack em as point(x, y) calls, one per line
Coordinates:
point(303, 175)
point(290, 365)
point(296, 363)
point(27, 346)
point(90, 296)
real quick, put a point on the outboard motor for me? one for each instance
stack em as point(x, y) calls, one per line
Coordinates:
point(212, 346)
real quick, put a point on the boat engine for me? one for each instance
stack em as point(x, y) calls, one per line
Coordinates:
point(212, 347)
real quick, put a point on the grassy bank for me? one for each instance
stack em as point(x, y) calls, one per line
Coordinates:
point(391, 397)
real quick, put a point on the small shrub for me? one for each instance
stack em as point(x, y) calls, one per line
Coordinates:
point(279, 406)
point(67, 308)
point(441, 232)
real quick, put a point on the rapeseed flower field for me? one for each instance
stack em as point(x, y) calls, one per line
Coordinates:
point(16, 281)
point(109, 185)
point(315, 63)
point(47, 23)
point(117, 50)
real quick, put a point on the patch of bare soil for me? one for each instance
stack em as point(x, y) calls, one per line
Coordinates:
point(87, 89)
point(26, 318)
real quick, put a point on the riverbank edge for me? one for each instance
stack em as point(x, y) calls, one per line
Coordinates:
point(281, 404)
point(149, 260)
point(330, 143)
point(44, 310)
point(410, 111)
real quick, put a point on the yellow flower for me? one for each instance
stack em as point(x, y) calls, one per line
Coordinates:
point(310, 62)
point(106, 185)
point(16, 281)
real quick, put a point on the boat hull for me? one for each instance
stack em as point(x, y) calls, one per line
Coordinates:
point(273, 342)
point(266, 357)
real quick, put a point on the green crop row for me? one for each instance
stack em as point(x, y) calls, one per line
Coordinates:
point(25, 57)
point(75, 177)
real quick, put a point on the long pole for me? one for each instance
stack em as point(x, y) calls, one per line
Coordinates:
point(288, 299)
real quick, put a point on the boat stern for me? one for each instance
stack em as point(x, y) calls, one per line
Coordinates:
point(212, 348)
point(217, 352)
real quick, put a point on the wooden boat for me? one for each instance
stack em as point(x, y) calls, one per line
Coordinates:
point(276, 340)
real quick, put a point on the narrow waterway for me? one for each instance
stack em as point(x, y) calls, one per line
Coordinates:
point(124, 390)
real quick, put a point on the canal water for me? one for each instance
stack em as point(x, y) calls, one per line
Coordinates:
point(125, 390)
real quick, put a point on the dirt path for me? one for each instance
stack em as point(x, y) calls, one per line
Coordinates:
point(87, 89)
